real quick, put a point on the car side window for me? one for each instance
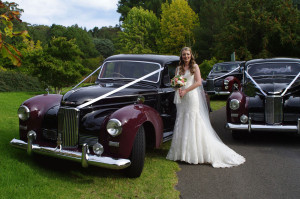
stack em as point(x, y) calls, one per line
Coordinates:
point(172, 68)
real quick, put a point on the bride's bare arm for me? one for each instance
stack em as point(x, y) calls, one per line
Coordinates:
point(197, 82)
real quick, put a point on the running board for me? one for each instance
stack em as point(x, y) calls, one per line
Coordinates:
point(167, 136)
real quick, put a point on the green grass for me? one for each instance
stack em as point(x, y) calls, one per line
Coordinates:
point(22, 176)
point(217, 104)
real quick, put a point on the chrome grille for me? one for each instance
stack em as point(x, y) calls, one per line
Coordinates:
point(68, 124)
point(273, 109)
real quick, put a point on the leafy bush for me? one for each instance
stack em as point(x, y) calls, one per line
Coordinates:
point(15, 81)
point(206, 66)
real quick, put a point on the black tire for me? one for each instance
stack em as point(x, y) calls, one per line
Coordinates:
point(137, 156)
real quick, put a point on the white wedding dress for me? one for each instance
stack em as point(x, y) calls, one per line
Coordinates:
point(194, 139)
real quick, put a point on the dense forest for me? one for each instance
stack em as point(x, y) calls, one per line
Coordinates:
point(59, 56)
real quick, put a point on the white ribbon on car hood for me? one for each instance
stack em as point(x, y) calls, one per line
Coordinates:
point(226, 73)
point(118, 89)
point(256, 84)
point(283, 93)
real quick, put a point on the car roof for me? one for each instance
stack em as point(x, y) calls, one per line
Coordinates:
point(161, 59)
point(230, 62)
point(277, 59)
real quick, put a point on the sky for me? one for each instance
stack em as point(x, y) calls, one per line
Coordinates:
point(85, 13)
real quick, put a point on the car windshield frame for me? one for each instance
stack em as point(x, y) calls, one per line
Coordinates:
point(287, 70)
point(130, 78)
point(223, 64)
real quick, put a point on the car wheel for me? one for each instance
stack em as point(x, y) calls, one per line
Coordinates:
point(137, 156)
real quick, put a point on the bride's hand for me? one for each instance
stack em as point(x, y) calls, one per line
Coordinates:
point(182, 92)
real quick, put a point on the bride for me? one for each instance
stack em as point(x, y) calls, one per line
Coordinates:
point(194, 139)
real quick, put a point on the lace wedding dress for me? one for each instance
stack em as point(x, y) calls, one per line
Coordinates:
point(194, 139)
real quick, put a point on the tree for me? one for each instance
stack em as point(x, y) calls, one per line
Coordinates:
point(105, 47)
point(212, 20)
point(104, 32)
point(8, 14)
point(39, 33)
point(207, 65)
point(58, 65)
point(258, 29)
point(82, 38)
point(140, 31)
point(178, 21)
point(124, 6)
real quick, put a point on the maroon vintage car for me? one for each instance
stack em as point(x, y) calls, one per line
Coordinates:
point(224, 78)
point(107, 124)
point(269, 99)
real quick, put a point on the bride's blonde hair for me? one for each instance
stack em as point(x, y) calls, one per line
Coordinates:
point(191, 64)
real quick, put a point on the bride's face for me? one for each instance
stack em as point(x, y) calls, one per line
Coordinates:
point(186, 56)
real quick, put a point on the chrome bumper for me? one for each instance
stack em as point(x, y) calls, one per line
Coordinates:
point(85, 158)
point(218, 92)
point(258, 127)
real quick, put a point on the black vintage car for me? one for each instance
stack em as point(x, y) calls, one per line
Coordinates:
point(269, 99)
point(223, 78)
point(107, 124)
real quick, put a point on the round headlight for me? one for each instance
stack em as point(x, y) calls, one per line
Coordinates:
point(234, 104)
point(114, 127)
point(244, 119)
point(226, 82)
point(23, 112)
point(98, 149)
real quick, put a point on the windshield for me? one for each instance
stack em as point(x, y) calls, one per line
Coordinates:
point(129, 70)
point(274, 69)
point(218, 68)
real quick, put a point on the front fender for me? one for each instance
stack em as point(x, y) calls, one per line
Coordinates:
point(234, 115)
point(38, 107)
point(231, 81)
point(132, 117)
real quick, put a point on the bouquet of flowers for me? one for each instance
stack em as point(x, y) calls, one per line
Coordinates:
point(178, 81)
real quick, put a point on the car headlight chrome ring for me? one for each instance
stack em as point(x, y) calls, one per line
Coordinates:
point(23, 113)
point(114, 127)
point(98, 149)
point(226, 82)
point(234, 104)
point(244, 119)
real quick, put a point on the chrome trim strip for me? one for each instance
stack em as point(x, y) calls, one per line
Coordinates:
point(167, 136)
point(227, 73)
point(84, 158)
point(118, 89)
point(218, 93)
point(114, 144)
point(21, 127)
point(249, 124)
point(292, 82)
point(143, 94)
point(261, 127)
point(257, 86)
